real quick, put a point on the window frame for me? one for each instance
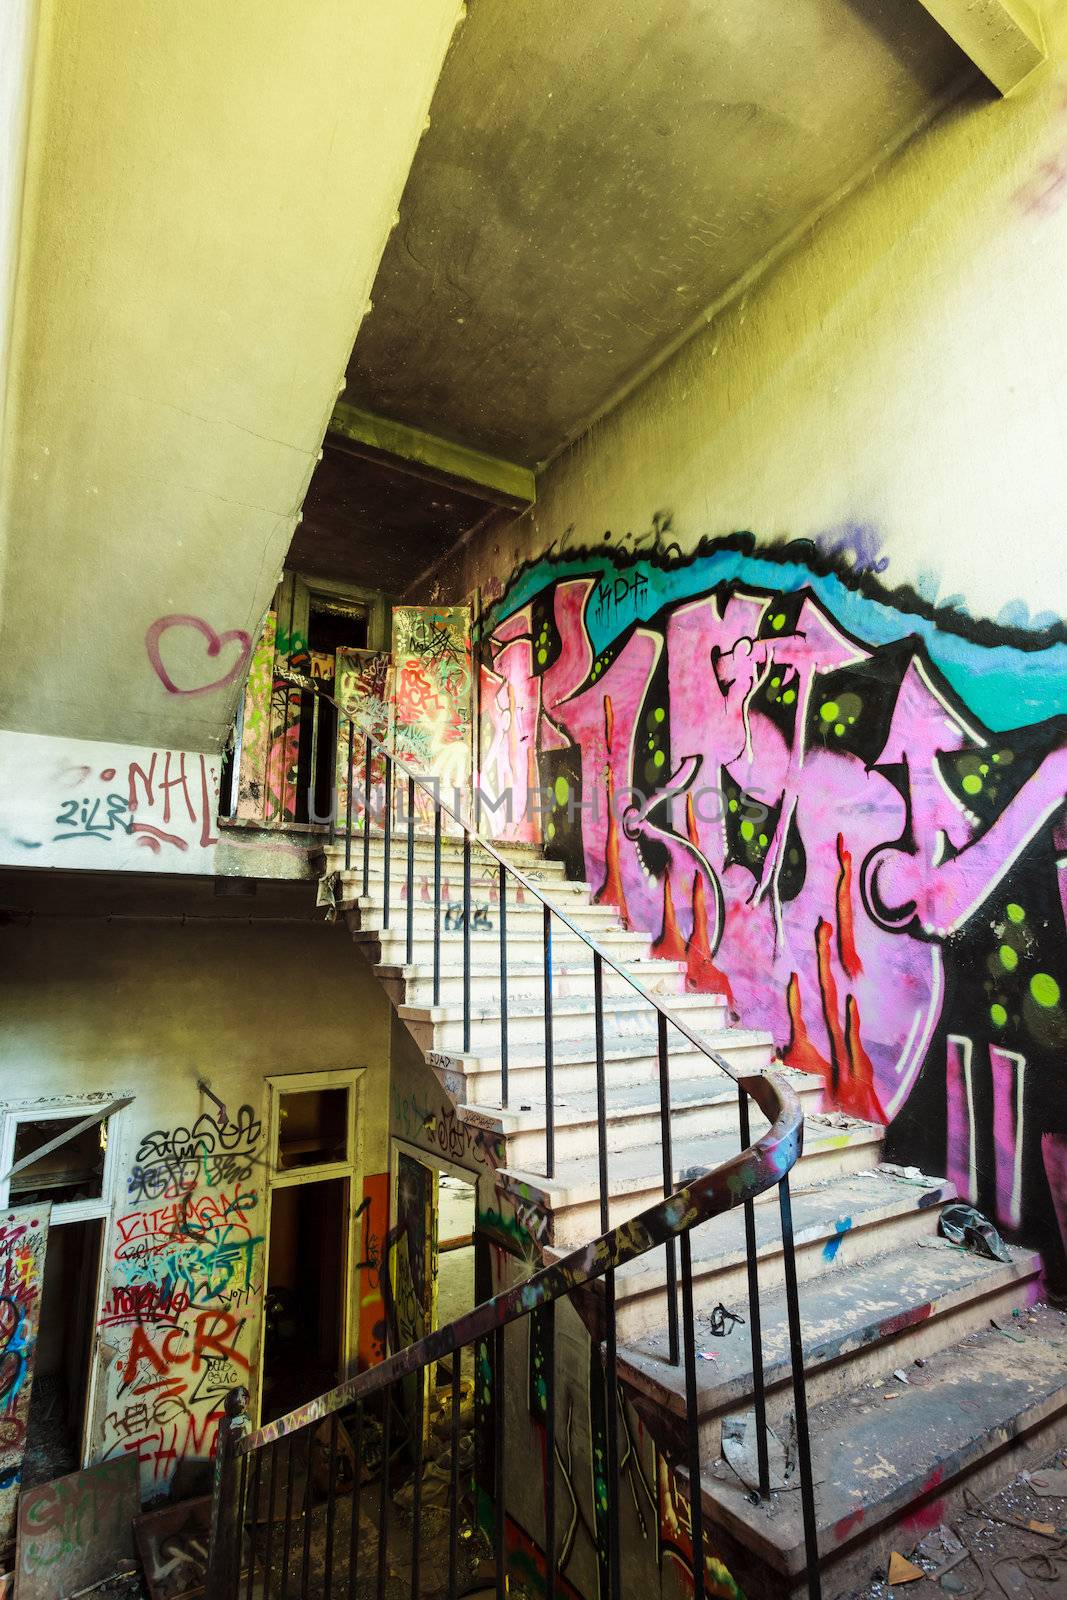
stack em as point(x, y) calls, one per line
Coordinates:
point(15, 1113)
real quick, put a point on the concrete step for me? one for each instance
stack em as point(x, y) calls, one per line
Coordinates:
point(474, 1078)
point(626, 1016)
point(860, 1322)
point(413, 985)
point(525, 859)
point(485, 883)
point(701, 1106)
point(839, 1221)
point(570, 1202)
point(885, 1469)
point(389, 945)
point(528, 918)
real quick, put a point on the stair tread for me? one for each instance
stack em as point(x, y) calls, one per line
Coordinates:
point(872, 1457)
point(842, 1310)
point(653, 966)
point(581, 1003)
point(867, 1197)
point(580, 1052)
point(632, 1099)
point(631, 1171)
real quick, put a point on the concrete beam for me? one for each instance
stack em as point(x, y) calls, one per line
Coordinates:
point(501, 482)
point(1003, 38)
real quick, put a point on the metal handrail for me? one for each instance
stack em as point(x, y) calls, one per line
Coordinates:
point(749, 1173)
point(520, 877)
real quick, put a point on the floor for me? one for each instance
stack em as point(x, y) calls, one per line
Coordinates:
point(1004, 1561)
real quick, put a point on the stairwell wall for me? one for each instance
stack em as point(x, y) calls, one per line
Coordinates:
point(809, 577)
point(114, 988)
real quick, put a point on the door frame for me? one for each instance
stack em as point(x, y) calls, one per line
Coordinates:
point(350, 1078)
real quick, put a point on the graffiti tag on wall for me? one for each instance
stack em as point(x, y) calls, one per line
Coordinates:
point(185, 1282)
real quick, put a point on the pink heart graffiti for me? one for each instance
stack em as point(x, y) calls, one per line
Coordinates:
point(215, 642)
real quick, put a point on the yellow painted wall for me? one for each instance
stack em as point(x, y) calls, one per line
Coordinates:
point(107, 992)
point(209, 190)
point(905, 367)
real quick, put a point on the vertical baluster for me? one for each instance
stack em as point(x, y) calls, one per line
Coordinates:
point(550, 1110)
point(331, 1508)
point(287, 1538)
point(387, 844)
point(466, 942)
point(503, 986)
point(692, 1420)
point(453, 1509)
point(353, 1526)
point(350, 778)
point(383, 1504)
point(305, 1559)
point(416, 1486)
point(437, 904)
point(601, 1089)
point(499, 1541)
point(313, 788)
point(669, 1256)
point(411, 872)
point(800, 1397)
point(611, 1377)
point(272, 1483)
point(548, 1312)
point(366, 813)
point(253, 1502)
point(754, 1321)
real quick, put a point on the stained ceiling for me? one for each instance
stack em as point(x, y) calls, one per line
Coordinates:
point(595, 176)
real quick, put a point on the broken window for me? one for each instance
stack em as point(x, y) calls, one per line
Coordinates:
point(72, 1171)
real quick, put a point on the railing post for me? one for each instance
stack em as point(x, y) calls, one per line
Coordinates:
point(224, 1557)
point(550, 1110)
point(800, 1397)
point(466, 941)
point(437, 903)
point(387, 843)
point(349, 780)
point(503, 881)
point(670, 1260)
point(754, 1323)
point(409, 946)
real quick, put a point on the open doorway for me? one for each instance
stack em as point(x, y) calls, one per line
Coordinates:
point(303, 1330)
point(332, 625)
point(432, 1252)
point(456, 1213)
point(308, 1323)
point(55, 1432)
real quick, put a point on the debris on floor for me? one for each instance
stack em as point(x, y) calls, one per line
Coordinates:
point(1007, 1545)
point(964, 1225)
point(740, 1451)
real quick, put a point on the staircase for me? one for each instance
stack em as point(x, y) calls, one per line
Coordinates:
point(880, 1292)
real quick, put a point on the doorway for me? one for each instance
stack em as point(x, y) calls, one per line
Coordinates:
point(309, 1320)
point(303, 1331)
point(55, 1431)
